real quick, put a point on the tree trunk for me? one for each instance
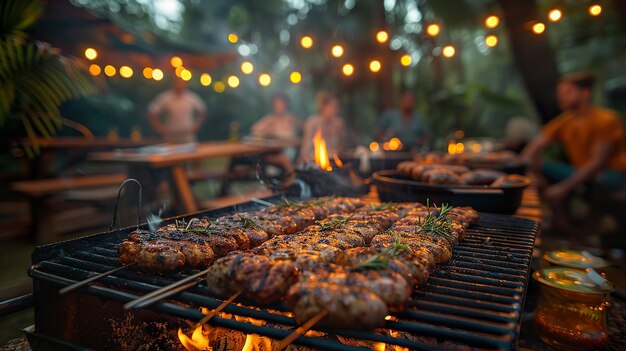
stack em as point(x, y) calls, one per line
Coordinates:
point(533, 56)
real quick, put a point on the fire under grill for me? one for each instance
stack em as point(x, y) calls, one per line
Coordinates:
point(476, 300)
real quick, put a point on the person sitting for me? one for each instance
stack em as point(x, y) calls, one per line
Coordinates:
point(328, 123)
point(593, 140)
point(279, 124)
point(403, 123)
point(184, 114)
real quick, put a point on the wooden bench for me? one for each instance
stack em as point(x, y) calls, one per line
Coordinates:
point(46, 219)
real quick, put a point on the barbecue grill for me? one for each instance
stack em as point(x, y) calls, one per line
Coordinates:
point(476, 300)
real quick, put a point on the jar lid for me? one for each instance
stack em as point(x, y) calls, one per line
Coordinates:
point(575, 259)
point(587, 281)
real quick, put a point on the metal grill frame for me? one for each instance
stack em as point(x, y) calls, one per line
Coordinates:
point(475, 300)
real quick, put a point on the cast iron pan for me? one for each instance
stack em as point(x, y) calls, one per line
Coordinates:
point(392, 186)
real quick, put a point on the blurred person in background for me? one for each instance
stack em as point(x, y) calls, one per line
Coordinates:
point(403, 123)
point(177, 114)
point(593, 140)
point(328, 123)
point(519, 131)
point(280, 123)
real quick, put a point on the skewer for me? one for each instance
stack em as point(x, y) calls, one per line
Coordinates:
point(301, 330)
point(161, 293)
point(262, 202)
point(82, 283)
point(218, 309)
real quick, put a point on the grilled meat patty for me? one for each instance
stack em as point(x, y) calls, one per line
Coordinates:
point(348, 306)
point(259, 277)
point(165, 251)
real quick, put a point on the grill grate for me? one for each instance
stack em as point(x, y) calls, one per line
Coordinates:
point(475, 300)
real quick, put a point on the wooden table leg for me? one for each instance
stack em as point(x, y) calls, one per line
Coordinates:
point(182, 188)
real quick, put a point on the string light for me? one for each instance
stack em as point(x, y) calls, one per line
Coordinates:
point(491, 40)
point(375, 66)
point(157, 74)
point(147, 72)
point(337, 51)
point(382, 36)
point(595, 10)
point(555, 15)
point(433, 29)
point(185, 75)
point(448, 51)
point(95, 70)
point(405, 60)
point(265, 79)
point(233, 38)
point(109, 70)
point(233, 81)
point(176, 61)
point(295, 77)
point(247, 67)
point(126, 72)
point(91, 53)
point(539, 28)
point(374, 146)
point(347, 70)
point(306, 42)
point(219, 87)
point(492, 21)
point(205, 79)
point(179, 70)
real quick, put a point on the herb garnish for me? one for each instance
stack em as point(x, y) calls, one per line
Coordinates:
point(437, 223)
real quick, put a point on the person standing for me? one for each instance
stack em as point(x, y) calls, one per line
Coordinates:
point(403, 123)
point(328, 123)
point(177, 114)
point(593, 140)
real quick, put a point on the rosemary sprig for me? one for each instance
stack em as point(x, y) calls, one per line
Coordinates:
point(437, 223)
point(248, 223)
point(296, 204)
point(333, 223)
point(200, 230)
point(397, 247)
point(384, 206)
point(375, 262)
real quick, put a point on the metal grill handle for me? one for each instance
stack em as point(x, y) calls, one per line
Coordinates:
point(117, 202)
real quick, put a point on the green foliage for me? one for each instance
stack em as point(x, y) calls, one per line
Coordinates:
point(35, 78)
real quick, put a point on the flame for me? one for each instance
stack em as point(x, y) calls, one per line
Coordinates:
point(321, 152)
point(197, 342)
point(337, 160)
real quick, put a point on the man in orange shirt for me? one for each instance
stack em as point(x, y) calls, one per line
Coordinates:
point(593, 140)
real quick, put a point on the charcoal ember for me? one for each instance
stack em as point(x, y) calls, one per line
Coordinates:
point(227, 340)
point(145, 336)
point(268, 344)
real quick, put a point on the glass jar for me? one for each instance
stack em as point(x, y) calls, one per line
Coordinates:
point(579, 259)
point(572, 309)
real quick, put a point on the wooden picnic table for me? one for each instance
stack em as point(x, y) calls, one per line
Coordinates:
point(74, 149)
point(151, 168)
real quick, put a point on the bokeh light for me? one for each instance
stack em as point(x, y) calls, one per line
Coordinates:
point(233, 38)
point(247, 67)
point(595, 10)
point(347, 69)
point(91, 53)
point(233, 81)
point(126, 72)
point(176, 61)
point(306, 42)
point(491, 40)
point(337, 51)
point(433, 29)
point(185, 75)
point(95, 70)
point(205, 79)
point(405, 60)
point(295, 77)
point(539, 28)
point(219, 87)
point(147, 72)
point(157, 74)
point(492, 21)
point(109, 70)
point(555, 15)
point(448, 51)
point(382, 36)
point(265, 79)
point(375, 66)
